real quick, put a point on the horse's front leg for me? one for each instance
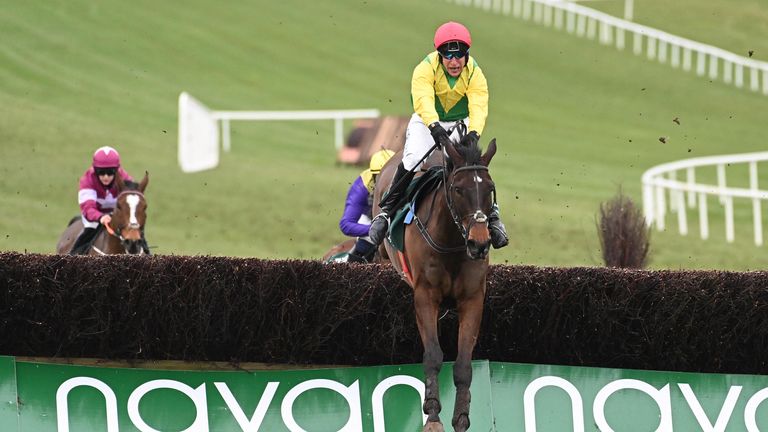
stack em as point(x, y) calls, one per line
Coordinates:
point(427, 306)
point(470, 314)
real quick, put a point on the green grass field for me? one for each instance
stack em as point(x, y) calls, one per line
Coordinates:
point(575, 121)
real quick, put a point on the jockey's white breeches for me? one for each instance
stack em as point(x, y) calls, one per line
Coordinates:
point(418, 140)
point(87, 223)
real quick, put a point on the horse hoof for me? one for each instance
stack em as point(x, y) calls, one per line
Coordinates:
point(433, 427)
point(461, 424)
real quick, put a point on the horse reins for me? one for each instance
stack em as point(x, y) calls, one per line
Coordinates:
point(477, 217)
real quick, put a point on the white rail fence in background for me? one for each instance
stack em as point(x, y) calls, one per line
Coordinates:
point(657, 45)
point(661, 186)
point(201, 128)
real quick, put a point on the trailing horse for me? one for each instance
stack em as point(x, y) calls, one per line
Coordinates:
point(443, 255)
point(125, 233)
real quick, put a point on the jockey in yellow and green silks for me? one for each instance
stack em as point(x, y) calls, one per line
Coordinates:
point(448, 91)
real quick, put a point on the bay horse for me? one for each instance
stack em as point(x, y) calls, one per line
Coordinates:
point(446, 257)
point(123, 235)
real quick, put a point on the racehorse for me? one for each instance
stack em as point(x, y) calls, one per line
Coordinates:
point(123, 235)
point(446, 257)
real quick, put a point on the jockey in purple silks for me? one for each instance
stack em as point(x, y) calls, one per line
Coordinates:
point(356, 220)
point(97, 196)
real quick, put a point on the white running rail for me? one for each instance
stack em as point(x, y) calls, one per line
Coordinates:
point(657, 45)
point(661, 185)
point(200, 128)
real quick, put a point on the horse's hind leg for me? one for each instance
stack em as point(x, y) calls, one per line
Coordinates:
point(426, 318)
point(470, 314)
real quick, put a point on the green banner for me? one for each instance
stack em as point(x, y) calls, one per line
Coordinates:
point(559, 398)
point(506, 397)
point(9, 414)
point(77, 398)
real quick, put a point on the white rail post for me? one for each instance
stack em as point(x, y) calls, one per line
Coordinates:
point(674, 60)
point(651, 48)
point(739, 72)
point(558, 18)
point(570, 22)
point(517, 8)
point(727, 71)
point(581, 25)
point(757, 215)
point(661, 208)
point(662, 51)
point(686, 59)
point(765, 81)
point(628, 10)
point(226, 138)
point(648, 204)
point(637, 43)
point(713, 67)
point(721, 182)
point(591, 28)
point(339, 130)
point(703, 216)
point(701, 63)
point(729, 231)
point(527, 9)
point(682, 220)
point(754, 79)
point(690, 176)
point(672, 175)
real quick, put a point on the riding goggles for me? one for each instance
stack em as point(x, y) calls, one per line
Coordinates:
point(105, 171)
point(453, 49)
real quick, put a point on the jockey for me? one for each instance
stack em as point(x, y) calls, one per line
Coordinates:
point(449, 91)
point(97, 195)
point(356, 219)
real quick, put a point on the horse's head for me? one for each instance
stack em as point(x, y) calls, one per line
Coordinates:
point(470, 192)
point(130, 214)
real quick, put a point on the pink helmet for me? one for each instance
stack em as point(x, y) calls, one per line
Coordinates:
point(106, 157)
point(452, 31)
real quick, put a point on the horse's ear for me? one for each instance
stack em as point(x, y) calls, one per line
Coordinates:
point(486, 158)
point(453, 154)
point(144, 181)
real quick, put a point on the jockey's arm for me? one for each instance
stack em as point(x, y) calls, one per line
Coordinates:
point(423, 92)
point(355, 206)
point(88, 207)
point(477, 95)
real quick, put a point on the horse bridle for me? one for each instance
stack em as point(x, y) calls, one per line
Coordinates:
point(478, 216)
point(117, 232)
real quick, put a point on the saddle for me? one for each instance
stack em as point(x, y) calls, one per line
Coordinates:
point(417, 189)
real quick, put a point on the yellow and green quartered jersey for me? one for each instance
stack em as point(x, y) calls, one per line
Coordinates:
point(438, 96)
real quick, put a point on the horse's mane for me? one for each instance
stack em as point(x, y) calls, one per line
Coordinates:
point(470, 153)
point(131, 185)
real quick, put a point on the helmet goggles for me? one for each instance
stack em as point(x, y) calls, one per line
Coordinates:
point(453, 49)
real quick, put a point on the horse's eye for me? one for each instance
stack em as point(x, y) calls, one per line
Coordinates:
point(458, 190)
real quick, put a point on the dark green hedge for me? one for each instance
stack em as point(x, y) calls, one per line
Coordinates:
point(232, 309)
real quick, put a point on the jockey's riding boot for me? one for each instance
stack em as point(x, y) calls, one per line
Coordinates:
point(389, 204)
point(499, 237)
point(362, 252)
point(356, 257)
point(83, 242)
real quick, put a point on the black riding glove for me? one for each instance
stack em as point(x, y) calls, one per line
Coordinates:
point(470, 139)
point(438, 134)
